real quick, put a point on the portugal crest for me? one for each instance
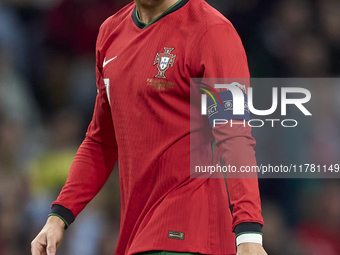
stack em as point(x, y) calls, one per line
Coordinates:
point(164, 61)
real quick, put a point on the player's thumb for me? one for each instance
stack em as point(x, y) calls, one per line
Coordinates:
point(51, 248)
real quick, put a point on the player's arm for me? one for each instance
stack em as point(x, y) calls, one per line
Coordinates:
point(237, 149)
point(223, 56)
point(92, 165)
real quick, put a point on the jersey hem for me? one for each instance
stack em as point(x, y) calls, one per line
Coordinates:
point(188, 248)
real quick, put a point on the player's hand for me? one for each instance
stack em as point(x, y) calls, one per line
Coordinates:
point(250, 249)
point(49, 238)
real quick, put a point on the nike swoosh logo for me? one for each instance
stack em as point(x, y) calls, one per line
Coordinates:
point(106, 62)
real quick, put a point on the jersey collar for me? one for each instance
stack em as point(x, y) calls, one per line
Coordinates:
point(173, 8)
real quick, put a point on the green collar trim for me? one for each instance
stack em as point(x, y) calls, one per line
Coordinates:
point(171, 9)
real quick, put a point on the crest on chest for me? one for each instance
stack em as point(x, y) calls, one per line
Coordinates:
point(164, 61)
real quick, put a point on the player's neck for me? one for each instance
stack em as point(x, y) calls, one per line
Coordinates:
point(148, 10)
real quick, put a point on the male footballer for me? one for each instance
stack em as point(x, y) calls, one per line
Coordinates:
point(145, 56)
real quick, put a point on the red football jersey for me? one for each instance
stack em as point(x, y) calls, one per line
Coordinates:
point(142, 119)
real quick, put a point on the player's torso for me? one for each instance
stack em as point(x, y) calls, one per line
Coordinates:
point(147, 77)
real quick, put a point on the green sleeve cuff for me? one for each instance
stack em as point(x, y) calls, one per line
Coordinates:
point(248, 228)
point(63, 213)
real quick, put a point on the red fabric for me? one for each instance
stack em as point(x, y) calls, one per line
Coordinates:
point(148, 130)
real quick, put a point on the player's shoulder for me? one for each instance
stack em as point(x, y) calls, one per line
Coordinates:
point(210, 17)
point(113, 21)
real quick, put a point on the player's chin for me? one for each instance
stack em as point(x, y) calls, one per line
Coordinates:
point(150, 3)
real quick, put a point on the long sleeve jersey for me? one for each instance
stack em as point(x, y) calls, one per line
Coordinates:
point(142, 119)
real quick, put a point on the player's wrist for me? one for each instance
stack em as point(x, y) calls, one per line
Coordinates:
point(250, 248)
point(56, 221)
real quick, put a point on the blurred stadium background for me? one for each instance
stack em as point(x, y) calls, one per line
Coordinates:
point(47, 93)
